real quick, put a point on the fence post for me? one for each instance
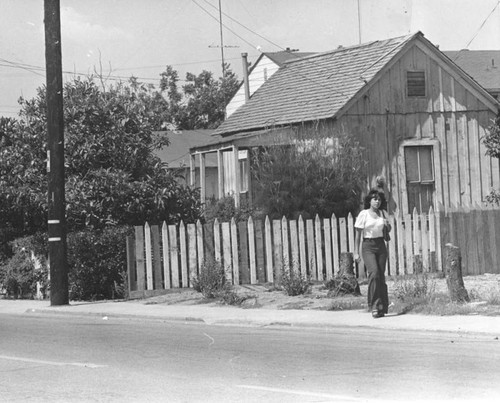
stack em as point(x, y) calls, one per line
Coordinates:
point(139, 257)
point(269, 250)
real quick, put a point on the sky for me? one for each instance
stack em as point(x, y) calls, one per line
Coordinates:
point(121, 38)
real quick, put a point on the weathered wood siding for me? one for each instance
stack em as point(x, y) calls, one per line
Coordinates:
point(452, 117)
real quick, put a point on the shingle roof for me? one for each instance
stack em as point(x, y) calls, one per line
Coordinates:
point(482, 65)
point(313, 87)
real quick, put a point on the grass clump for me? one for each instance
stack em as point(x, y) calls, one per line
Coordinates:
point(212, 279)
point(294, 283)
point(212, 283)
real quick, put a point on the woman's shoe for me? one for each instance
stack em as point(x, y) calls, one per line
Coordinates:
point(378, 309)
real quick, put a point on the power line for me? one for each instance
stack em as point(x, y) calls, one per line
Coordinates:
point(480, 28)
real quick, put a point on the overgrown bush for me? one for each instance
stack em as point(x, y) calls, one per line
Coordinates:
point(312, 171)
point(19, 274)
point(97, 262)
point(294, 283)
point(212, 279)
point(225, 209)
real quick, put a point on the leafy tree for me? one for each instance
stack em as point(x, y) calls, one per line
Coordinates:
point(113, 175)
point(308, 174)
point(202, 102)
point(492, 142)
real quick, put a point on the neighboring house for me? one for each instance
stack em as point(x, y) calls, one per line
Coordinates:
point(264, 67)
point(178, 158)
point(417, 115)
point(482, 65)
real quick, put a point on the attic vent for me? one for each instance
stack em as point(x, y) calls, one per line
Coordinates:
point(415, 83)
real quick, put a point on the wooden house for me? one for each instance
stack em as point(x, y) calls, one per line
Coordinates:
point(176, 156)
point(418, 116)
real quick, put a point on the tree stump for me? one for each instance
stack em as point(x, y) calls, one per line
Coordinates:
point(345, 281)
point(453, 271)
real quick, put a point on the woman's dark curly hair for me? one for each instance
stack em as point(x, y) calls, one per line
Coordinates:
point(373, 194)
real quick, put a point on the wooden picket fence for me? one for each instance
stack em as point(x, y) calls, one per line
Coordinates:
point(255, 251)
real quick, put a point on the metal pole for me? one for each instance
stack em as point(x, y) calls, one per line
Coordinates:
point(59, 294)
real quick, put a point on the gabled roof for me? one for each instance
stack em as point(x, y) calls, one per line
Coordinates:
point(176, 154)
point(313, 87)
point(482, 65)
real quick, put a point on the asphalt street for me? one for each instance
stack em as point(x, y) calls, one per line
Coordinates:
point(61, 358)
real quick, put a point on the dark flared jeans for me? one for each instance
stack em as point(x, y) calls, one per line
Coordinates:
point(374, 254)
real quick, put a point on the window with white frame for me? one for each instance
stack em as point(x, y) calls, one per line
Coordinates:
point(420, 182)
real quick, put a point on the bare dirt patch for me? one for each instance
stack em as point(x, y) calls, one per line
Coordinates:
point(484, 291)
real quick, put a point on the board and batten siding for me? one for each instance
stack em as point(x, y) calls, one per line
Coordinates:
point(452, 118)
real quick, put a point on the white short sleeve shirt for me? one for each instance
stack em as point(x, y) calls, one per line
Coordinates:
point(371, 224)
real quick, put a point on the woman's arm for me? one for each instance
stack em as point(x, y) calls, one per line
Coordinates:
point(357, 241)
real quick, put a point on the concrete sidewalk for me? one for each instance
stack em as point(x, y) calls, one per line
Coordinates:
point(226, 315)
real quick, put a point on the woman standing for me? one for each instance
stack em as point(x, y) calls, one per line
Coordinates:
point(370, 226)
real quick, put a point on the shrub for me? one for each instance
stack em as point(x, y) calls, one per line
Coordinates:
point(294, 283)
point(97, 262)
point(212, 279)
point(409, 288)
point(19, 274)
point(225, 209)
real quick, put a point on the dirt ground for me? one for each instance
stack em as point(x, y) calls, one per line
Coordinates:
point(480, 288)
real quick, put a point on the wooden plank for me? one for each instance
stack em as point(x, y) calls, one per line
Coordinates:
point(417, 237)
point(319, 248)
point(464, 160)
point(477, 216)
point(302, 247)
point(208, 242)
point(251, 251)
point(432, 240)
point(392, 260)
point(269, 250)
point(484, 122)
point(227, 261)
point(149, 256)
point(438, 214)
point(244, 259)
point(487, 251)
point(350, 232)
point(294, 246)
point(259, 249)
point(400, 242)
point(335, 245)
point(183, 255)
point(199, 243)
point(235, 252)
point(285, 243)
point(496, 269)
point(157, 272)
point(328, 248)
point(192, 255)
point(174, 255)
point(311, 253)
point(217, 241)
point(343, 234)
point(408, 243)
point(424, 233)
point(278, 250)
point(131, 272)
point(461, 238)
point(166, 256)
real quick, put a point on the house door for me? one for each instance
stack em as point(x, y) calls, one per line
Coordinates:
point(420, 182)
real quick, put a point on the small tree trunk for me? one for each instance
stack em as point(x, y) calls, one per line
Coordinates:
point(453, 270)
point(345, 281)
point(346, 264)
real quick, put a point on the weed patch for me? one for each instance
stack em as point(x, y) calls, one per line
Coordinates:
point(294, 283)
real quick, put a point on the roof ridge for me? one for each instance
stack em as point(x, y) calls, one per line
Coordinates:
point(403, 38)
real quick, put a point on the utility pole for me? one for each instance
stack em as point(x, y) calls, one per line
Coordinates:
point(59, 294)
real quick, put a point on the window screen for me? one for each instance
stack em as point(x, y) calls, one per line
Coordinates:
point(415, 83)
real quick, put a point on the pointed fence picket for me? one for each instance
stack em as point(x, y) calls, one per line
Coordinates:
point(257, 251)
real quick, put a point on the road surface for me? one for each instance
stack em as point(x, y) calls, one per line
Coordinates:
point(46, 358)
